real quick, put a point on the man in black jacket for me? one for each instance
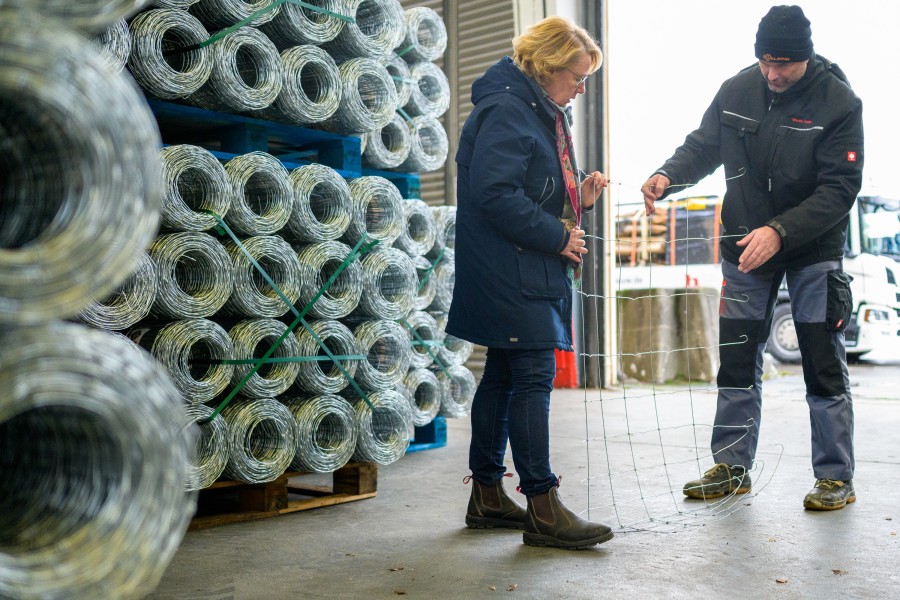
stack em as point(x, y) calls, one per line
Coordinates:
point(789, 134)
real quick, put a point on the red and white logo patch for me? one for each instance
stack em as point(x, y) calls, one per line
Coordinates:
point(851, 156)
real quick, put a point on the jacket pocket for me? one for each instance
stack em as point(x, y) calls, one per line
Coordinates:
point(541, 276)
point(839, 301)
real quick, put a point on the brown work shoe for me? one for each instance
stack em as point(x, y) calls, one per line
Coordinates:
point(490, 506)
point(830, 494)
point(549, 523)
point(720, 480)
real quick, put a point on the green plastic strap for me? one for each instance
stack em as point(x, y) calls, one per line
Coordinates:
point(404, 114)
point(427, 343)
point(405, 50)
point(403, 79)
point(431, 268)
point(427, 347)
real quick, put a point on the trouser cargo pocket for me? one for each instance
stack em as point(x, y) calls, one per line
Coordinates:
point(839, 305)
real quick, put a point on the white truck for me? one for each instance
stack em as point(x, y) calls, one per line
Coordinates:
point(648, 258)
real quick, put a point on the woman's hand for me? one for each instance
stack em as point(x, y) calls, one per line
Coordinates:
point(575, 248)
point(591, 187)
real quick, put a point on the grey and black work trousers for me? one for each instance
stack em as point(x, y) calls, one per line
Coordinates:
point(821, 306)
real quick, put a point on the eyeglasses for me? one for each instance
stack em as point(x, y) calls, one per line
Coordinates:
point(579, 79)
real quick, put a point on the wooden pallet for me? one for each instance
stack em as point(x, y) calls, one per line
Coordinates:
point(234, 501)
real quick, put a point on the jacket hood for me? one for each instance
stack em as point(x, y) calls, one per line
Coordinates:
point(504, 77)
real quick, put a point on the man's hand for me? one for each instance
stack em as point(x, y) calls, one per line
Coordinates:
point(759, 246)
point(575, 248)
point(652, 190)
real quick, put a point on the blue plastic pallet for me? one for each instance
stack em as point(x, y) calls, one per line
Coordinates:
point(433, 435)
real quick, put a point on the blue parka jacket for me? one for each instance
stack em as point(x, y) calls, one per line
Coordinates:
point(511, 288)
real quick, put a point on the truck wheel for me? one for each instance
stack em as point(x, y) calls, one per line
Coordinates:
point(783, 344)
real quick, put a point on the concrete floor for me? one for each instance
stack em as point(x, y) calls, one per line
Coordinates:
point(411, 540)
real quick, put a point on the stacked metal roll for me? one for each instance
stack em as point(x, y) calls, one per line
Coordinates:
point(312, 87)
point(255, 338)
point(128, 303)
point(417, 238)
point(211, 446)
point(459, 391)
point(444, 275)
point(377, 211)
point(194, 274)
point(262, 439)
point(262, 197)
point(398, 69)
point(318, 264)
point(219, 14)
point(376, 29)
point(425, 37)
point(426, 338)
point(368, 97)
point(326, 377)
point(323, 206)
point(295, 25)
point(114, 43)
point(445, 225)
point(426, 289)
point(425, 394)
point(389, 146)
point(431, 91)
point(386, 346)
point(196, 188)
point(389, 284)
point(253, 294)
point(454, 351)
point(326, 432)
point(383, 428)
point(428, 145)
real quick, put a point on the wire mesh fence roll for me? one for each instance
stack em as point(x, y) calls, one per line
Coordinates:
point(424, 392)
point(218, 14)
point(389, 284)
point(179, 4)
point(398, 69)
point(377, 211)
point(114, 43)
point(192, 351)
point(431, 91)
point(445, 224)
point(158, 61)
point(210, 447)
point(444, 276)
point(383, 431)
point(326, 376)
point(312, 87)
point(262, 197)
point(389, 146)
point(79, 172)
point(326, 432)
point(368, 97)
point(246, 74)
point(454, 351)
point(378, 27)
point(318, 263)
point(93, 465)
point(417, 238)
point(195, 185)
point(296, 25)
point(386, 347)
point(459, 391)
point(425, 36)
point(251, 340)
point(90, 16)
point(428, 145)
point(323, 207)
point(426, 338)
point(425, 289)
point(253, 295)
point(194, 272)
point(128, 303)
point(262, 439)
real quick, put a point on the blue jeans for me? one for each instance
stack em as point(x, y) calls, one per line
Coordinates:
point(512, 404)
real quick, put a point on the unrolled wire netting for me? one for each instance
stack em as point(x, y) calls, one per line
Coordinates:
point(389, 284)
point(246, 74)
point(296, 25)
point(426, 338)
point(431, 91)
point(384, 428)
point(192, 351)
point(218, 14)
point(454, 351)
point(445, 226)
point(428, 145)
point(326, 376)
point(398, 69)
point(389, 146)
point(318, 264)
point(385, 344)
point(195, 185)
point(93, 465)
point(160, 59)
point(425, 36)
point(368, 97)
point(378, 27)
point(444, 276)
point(377, 211)
point(114, 43)
point(262, 197)
point(424, 392)
point(425, 289)
point(312, 87)
point(323, 207)
point(262, 439)
point(87, 15)
point(128, 303)
point(417, 238)
point(194, 273)
point(254, 338)
point(80, 192)
point(326, 432)
point(210, 448)
point(253, 294)
point(459, 390)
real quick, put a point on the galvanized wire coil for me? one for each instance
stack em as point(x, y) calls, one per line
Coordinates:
point(194, 273)
point(114, 43)
point(262, 439)
point(326, 432)
point(191, 350)
point(246, 75)
point(378, 27)
point(312, 87)
point(326, 377)
point(262, 197)
point(445, 224)
point(251, 340)
point(211, 447)
point(389, 146)
point(195, 182)
point(252, 295)
point(179, 4)
point(426, 338)
point(454, 351)
point(93, 463)
point(389, 284)
point(424, 392)
point(88, 16)
point(428, 145)
point(444, 276)
point(383, 433)
point(398, 69)
point(430, 92)
point(323, 206)
point(295, 25)
point(459, 390)
point(377, 211)
point(425, 37)
point(417, 238)
point(386, 347)
point(425, 289)
point(218, 14)
point(128, 303)
point(318, 263)
point(157, 32)
point(368, 97)
point(79, 172)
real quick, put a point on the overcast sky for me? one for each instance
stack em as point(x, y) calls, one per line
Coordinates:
point(666, 59)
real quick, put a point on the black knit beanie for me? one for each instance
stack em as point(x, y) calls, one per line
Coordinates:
point(784, 35)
